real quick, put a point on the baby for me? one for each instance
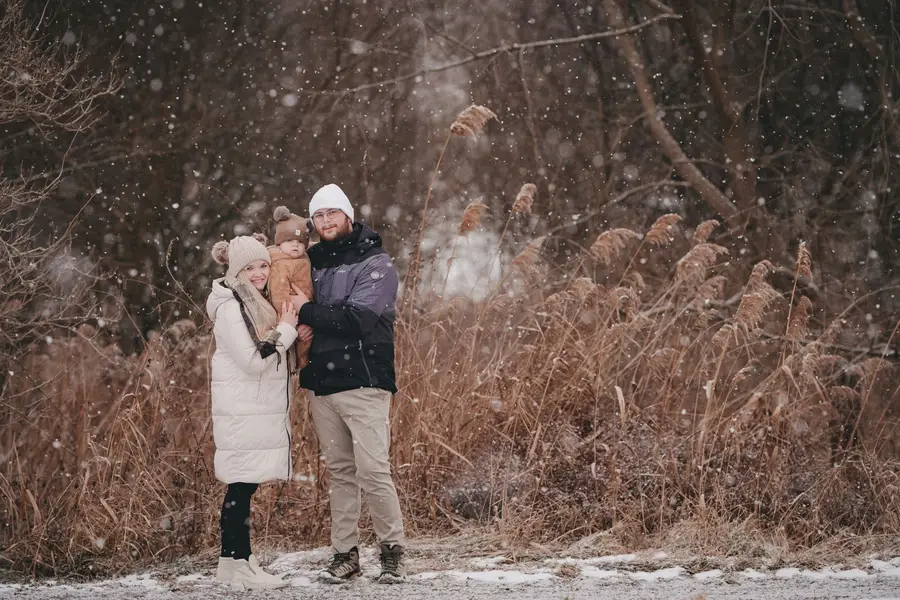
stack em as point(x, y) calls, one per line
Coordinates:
point(290, 265)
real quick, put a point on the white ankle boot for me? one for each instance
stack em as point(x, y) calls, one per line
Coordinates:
point(248, 575)
point(225, 570)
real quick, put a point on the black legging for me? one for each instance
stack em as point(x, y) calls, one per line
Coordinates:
point(235, 520)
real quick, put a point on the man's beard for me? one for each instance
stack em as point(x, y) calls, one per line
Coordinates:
point(339, 232)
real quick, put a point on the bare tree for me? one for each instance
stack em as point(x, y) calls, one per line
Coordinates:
point(44, 93)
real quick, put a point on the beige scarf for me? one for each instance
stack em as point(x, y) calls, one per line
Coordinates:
point(257, 308)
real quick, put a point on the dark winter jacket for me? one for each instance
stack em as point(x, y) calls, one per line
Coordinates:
point(355, 286)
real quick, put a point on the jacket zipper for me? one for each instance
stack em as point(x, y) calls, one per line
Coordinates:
point(365, 364)
point(287, 427)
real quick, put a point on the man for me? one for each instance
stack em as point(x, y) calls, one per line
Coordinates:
point(351, 380)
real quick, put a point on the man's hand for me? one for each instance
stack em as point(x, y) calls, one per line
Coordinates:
point(304, 332)
point(299, 298)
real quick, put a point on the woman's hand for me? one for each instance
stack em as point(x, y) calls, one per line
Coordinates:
point(304, 332)
point(299, 298)
point(288, 314)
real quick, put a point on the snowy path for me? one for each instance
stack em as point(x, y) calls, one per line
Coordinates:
point(616, 578)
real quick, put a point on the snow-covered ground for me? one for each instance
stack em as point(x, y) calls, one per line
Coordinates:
point(619, 577)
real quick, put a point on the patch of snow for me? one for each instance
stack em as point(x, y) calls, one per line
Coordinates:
point(597, 573)
point(489, 561)
point(753, 574)
point(612, 559)
point(661, 574)
point(787, 573)
point(192, 577)
point(850, 574)
point(706, 575)
point(499, 576)
point(144, 581)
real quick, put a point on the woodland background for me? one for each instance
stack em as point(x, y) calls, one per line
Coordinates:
point(629, 334)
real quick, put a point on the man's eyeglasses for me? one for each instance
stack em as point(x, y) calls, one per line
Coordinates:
point(326, 214)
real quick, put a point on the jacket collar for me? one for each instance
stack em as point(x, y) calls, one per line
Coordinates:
point(347, 250)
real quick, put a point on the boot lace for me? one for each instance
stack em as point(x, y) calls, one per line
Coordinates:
point(390, 561)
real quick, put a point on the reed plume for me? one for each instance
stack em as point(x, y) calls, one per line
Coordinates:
point(531, 255)
point(471, 218)
point(711, 289)
point(610, 243)
point(471, 121)
point(660, 233)
point(798, 326)
point(703, 231)
point(758, 296)
point(804, 261)
point(524, 199)
point(691, 268)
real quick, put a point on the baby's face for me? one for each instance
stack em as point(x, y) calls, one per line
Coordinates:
point(293, 248)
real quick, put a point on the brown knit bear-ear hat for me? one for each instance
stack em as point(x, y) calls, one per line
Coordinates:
point(289, 226)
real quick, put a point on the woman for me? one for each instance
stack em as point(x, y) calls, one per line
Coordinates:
point(250, 398)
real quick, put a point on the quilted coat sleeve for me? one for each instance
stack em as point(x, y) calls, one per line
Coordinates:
point(233, 337)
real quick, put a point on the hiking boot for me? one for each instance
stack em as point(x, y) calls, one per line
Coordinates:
point(250, 577)
point(393, 569)
point(344, 567)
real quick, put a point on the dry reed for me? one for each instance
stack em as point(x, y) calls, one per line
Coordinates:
point(610, 244)
point(471, 121)
point(592, 412)
point(524, 199)
point(471, 218)
point(530, 256)
point(703, 231)
point(799, 321)
point(660, 233)
point(804, 261)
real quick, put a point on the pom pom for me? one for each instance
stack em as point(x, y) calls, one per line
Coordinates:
point(282, 213)
point(261, 238)
point(220, 252)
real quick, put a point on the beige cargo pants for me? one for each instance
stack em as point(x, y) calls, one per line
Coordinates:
point(354, 437)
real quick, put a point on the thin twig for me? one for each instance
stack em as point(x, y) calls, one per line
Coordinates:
point(580, 39)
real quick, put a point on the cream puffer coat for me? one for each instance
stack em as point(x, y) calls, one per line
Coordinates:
point(250, 397)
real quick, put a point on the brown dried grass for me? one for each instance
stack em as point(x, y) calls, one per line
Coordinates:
point(546, 417)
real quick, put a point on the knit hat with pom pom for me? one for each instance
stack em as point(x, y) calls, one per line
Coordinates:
point(289, 226)
point(240, 252)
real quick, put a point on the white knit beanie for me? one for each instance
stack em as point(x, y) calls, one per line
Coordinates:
point(240, 252)
point(331, 196)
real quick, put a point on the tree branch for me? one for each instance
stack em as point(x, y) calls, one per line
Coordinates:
point(685, 167)
point(500, 50)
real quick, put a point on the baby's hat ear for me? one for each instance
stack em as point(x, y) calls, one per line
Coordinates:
point(220, 252)
point(261, 238)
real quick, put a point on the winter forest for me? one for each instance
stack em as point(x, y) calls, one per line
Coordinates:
point(648, 253)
